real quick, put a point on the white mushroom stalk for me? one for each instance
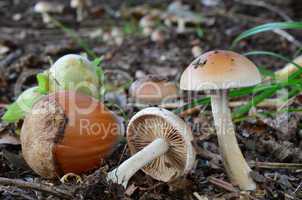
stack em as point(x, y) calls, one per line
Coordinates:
point(126, 170)
point(160, 143)
point(234, 162)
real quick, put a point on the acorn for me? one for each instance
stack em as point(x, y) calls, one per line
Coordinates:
point(67, 132)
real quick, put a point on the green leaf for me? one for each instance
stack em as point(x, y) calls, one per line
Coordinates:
point(266, 27)
point(43, 83)
point(13, 114)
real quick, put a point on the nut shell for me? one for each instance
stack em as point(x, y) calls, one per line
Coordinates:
point(55, 141)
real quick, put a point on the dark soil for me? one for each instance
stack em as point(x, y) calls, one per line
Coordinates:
point(32, 44)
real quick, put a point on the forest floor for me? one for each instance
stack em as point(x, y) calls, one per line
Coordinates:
point(27, 46)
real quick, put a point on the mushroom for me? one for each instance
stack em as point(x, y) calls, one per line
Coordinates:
point(219, 71)
point(161, 145)
point(158, 36)
point(180, 14)
point(74, 72)
point(152, 90)
point(46, 7)
point(67, 132)
point(196, 51)
point(289, 69)
point(148, 23)
point(80, 6)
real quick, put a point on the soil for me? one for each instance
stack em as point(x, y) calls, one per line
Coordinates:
point(32, 45)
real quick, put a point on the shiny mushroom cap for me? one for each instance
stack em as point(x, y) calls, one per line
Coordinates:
point(219, 70)
point(152, 123)
point(153, 90)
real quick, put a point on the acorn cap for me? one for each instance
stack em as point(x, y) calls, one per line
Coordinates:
point(76, 73)
point(58, 137)
point(153, 90)
point(219, 70)
point(152, 123)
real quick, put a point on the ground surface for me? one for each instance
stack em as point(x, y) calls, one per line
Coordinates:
point(31, 46)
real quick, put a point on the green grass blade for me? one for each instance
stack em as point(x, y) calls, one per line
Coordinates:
point(242, 110)
point(270, 92)
point(266, 27)
point(71, 33)
point(233, 94)
point(276, 55)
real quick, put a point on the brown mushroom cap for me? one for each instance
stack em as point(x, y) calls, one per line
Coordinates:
point(152, 123)
point(219, 70)
point(57, 139)
point(153, 90)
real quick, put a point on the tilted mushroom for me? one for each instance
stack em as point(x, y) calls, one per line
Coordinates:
point(46, 7)
point(289, 69)
point(152, 90)
point(220, 71)
point(161, 145)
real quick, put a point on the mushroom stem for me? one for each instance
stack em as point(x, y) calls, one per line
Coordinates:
point(127, 169)
point(234, 162)
point(46, 18)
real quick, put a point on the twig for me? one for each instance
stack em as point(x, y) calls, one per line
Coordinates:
point(3, 105)
point(271, 165)
point(37, 186)
point(288, 37)
point(278, 11)
point(199, 197)
point(222, 184)
point(15, 193)
point(298, 188)
point(267, 6)
point(9, 59)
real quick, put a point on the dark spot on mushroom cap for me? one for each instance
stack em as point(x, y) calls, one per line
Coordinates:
point(232, 59)
point(199, 63)
point(216, 51)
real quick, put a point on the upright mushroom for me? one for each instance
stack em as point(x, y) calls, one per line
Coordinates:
point(80, 6)
point(153, 90)
point(161, 145)
point(219, 71)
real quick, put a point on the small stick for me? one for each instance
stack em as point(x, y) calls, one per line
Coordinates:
point(3, 105)
point(222, 184)
point(37, 186)
point(199, 197)
point(271, 165)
